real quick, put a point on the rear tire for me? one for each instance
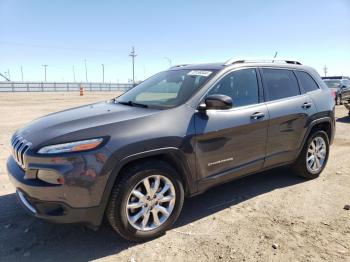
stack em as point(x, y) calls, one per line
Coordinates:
point(337, 100)
point(159, 215)
point(313, 157)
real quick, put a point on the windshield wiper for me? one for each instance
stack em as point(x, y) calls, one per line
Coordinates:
point(131, 103)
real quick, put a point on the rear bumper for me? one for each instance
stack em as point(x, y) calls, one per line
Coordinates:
point(32, 194)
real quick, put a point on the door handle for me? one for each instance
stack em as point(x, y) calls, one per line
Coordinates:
point(257, 115)
point(306, 105)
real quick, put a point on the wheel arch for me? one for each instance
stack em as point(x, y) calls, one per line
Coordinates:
point(325, 124)
point(172, 156)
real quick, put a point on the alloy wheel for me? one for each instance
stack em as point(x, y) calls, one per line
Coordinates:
point(150, 203)
point(316, 154)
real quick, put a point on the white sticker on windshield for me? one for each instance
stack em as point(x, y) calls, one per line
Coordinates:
point(199, 73)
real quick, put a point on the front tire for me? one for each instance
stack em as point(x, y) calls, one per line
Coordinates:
point(314, 156)
point(146, 201)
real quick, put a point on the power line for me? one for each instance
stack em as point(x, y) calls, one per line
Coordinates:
point(133, 55)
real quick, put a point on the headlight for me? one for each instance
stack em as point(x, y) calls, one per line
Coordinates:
point(71, 147)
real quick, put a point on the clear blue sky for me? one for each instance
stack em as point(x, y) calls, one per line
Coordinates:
point(63, 33)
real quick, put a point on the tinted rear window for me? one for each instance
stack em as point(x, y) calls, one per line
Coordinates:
point(280, 83)
point(306, 81)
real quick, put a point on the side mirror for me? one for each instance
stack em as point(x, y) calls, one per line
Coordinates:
point(221, 102)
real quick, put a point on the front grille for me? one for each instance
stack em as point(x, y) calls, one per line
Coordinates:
point(19, 147)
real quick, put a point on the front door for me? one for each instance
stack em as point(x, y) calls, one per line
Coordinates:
point(232, 142)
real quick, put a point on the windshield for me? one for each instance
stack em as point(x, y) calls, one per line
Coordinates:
point(333, 83)
point(166, 89)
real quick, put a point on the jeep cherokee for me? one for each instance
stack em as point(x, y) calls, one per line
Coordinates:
point(136, 157)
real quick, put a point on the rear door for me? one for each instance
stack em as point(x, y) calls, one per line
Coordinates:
point(232, 142)
point(290, 110)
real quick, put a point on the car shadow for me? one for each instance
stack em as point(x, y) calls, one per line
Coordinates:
point(344, 119)
point(23, 237)
point(235, 192)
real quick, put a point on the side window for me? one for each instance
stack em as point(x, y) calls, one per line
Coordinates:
point(306, 81)
point(241, 86)
point(280, 83)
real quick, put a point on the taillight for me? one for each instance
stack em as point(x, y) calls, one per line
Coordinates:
point(334, 94)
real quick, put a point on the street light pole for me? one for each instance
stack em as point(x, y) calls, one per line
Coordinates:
point(169, 60)
point(86, 74)
point(133, 55)
point(45, 66)
point(74, 73)
point(22, 73)
point(103, 73)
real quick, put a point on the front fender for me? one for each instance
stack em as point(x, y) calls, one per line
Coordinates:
point(183, 163)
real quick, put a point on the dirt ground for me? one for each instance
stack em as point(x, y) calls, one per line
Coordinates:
point(238, 221)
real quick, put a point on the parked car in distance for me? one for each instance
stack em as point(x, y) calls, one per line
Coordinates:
point(136, 157)
point(340, 87)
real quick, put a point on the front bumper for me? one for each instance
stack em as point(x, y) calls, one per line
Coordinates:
point(50, 202)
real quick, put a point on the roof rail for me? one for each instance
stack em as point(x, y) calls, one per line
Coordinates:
point(262, 60)
point(175, 66)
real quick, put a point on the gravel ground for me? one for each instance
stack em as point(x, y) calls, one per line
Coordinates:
point(270, 216)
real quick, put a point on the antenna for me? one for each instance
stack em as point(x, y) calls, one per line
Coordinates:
point(274, 57)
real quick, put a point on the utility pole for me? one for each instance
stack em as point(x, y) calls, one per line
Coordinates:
point(169, 60)
point(8, 73)
point(103, 73)
point(45, 66)
point(133, 55)
point(74, 73)
point(325, 70)
point(22, 73)
point(86, 74)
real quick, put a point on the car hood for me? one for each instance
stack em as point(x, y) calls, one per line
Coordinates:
point(83, 118)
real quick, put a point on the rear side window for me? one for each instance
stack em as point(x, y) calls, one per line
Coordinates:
point(280, 83)
point(306, 81)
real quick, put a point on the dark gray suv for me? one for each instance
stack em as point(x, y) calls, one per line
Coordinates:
point(136, 157)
